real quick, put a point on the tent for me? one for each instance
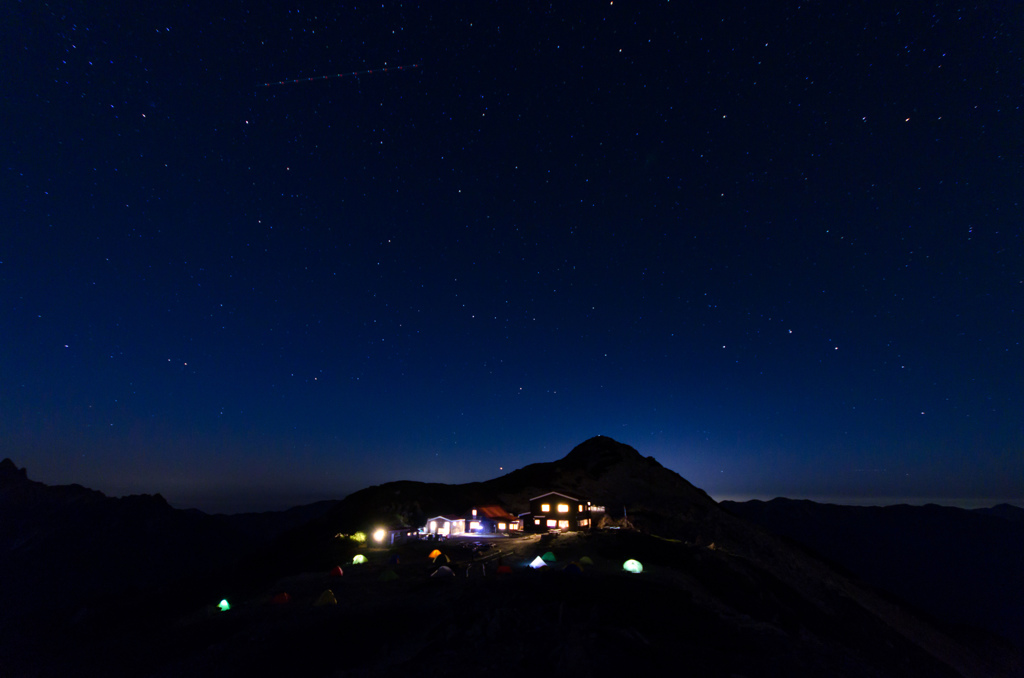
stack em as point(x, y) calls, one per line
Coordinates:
point(326, 598)
point(442, 559)
point(504, 569)
point(538, 563)
point(633, 566)
point(337, 571)
point(360, 558)
point(573, 568)
point(280, 599)
point(434, 554)
point(443, 571)
point(585, 560)
point(388, 575)
point(224, 605)
point(549, 557)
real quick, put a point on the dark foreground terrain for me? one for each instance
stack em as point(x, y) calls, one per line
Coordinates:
point(99, 586)
point(707, 610)
point(965, 567)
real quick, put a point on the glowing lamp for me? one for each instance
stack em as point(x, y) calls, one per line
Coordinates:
point(379, 535)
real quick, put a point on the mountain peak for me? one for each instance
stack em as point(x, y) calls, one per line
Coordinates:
point(597, 454)
point(10, 472)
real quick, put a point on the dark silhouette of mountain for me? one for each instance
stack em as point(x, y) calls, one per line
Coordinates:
point(600, 469)
point(963, 566)
point(1004, 511)
point(718, 596)
point(70, 548)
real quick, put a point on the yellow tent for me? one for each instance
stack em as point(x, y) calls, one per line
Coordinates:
point(326, 598)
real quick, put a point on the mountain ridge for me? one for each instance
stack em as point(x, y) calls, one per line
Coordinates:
point(764, 597)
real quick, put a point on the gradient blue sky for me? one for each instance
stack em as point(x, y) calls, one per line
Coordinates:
point(777, 248)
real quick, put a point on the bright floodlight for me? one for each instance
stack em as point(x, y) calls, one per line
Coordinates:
point(633, 566)
point(379, 535)
point(224, 605)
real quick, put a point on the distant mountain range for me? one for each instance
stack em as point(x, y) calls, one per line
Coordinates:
point(109, 586)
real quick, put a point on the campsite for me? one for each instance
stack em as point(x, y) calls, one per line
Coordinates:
point(134, 587)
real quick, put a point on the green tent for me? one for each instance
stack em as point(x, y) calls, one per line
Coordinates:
point(359, 559)
point(224, 605)
point(388, 575)
point(633, 566)
point(549, 557)
point(585, 560)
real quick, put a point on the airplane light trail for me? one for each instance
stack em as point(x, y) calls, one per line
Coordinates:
point(341, 75)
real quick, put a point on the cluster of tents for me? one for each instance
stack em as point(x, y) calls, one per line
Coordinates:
point(576, 566)
point(548, 560)
point(442, 565)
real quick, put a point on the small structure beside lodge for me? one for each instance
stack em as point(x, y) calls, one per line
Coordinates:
point(395, 534)
point(491, 519)
point(445, 526)
point(558, 511)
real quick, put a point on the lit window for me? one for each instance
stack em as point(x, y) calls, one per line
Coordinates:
point(474, 513)
point(563, 508)
point(536, 521)
point(581, 508)
point(552, 523)
point(433, 526)
point(474, 524)
point(545, 508)
point(501, 526)
point(564, 524)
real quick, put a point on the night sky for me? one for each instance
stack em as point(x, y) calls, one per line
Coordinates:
point(776, 246)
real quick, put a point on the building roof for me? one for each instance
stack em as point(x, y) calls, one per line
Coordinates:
point(560, 494)
point(450, 519)
point(494, 512)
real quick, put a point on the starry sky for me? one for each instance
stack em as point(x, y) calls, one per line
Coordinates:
point(777, 246)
